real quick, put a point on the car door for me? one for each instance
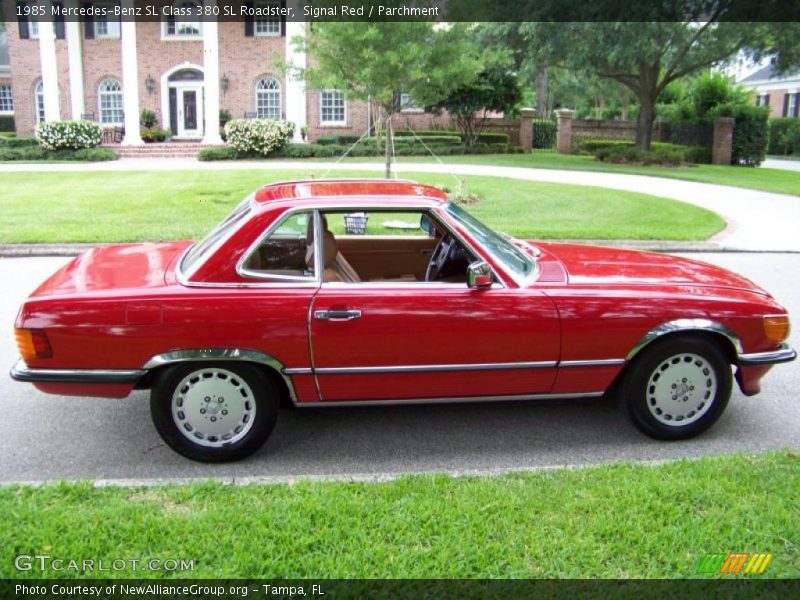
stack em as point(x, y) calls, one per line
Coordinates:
point(373, 341)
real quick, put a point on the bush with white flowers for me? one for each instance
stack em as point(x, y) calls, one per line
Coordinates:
point(258, 136)
point(74, 135)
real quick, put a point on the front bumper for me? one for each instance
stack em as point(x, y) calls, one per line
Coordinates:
point(783, 354)
point(21, 372)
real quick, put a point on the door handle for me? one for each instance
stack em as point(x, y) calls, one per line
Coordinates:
point(426, 252)
point(337, 315)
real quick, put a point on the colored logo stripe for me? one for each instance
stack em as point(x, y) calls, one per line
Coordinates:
point(734, 563)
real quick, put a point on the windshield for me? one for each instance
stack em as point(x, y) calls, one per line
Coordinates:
point(200, 250)
point(498, 246)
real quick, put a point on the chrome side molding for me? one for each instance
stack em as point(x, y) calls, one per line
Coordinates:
point(221, 354)
point(686, 325)
point(460, 400)
point(21, 372)
point(783, 354)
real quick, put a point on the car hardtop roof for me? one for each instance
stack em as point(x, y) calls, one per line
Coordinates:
point(331, 189)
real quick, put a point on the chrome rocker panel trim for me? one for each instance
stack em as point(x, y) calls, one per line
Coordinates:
point(21, 372)
point(460, 400)
point(222, 354)
point(773, 357)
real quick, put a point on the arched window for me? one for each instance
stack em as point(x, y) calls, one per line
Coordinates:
point(268, 99)
point(38, 93)
point(109, 100)
point(184, 20)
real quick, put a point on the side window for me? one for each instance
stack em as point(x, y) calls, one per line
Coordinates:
point(286, 252)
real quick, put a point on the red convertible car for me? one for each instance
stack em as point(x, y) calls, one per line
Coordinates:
point(353, 292)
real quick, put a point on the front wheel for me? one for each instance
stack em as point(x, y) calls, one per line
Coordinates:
point(677, 388)
point(214, 412)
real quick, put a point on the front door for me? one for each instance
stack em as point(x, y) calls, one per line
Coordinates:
point(373, 341)
point(190, 112)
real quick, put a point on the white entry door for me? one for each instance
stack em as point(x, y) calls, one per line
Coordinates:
point(190, 112)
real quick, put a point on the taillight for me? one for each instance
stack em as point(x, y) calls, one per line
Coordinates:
point(32, 343)
point(776, 328)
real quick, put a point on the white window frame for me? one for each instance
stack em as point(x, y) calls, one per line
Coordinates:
point(324, 122)
point(101, 93)
point(6, 99)
point(178, 37)
point(265, 21)
point(38, 101)
point(762, 99)
point(110, 23)
point(791, 107)
point(33, 29)
point(267, 91)
point(409, 105)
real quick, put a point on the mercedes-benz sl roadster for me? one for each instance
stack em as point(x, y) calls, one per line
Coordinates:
point(357, 292)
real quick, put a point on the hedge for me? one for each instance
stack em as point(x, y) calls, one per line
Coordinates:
point(349, 140)
point(688, 154)
point(73, 135)
point(750, 132)
point(17, 142)
point(335, 150)
point(261, 136)
point(38, 153)
point(619, 153)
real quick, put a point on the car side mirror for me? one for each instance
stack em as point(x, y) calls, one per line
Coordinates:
point(479, 275)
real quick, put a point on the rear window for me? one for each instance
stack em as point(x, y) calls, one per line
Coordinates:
point(201, 250)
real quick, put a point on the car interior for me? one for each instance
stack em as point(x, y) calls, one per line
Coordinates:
point(412, 248)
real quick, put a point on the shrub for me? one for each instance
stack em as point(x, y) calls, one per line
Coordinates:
point(779, 141)
point(58, 135)
point(592, 145)
point(493, 138)
point(147, 119)
point(87, 154)
point(18, 142)
point(258, 136)
point(698, 155)
point(326, 140)
point(22, 153)
point(7, 123)
point(666, 156)
point(750, 133)
point(224, 116)
point(220, 153)
point(155, 135)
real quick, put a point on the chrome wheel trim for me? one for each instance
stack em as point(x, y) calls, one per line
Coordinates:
point(681, 389)
point(213, 407)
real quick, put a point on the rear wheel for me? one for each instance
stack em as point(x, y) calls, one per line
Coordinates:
point(677, 388)
point(214, 412)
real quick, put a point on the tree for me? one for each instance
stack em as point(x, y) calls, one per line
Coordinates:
point(375, 61)
point(647, 56)
point(495, 89)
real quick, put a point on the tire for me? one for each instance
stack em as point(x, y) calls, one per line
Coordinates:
point(677, 388)
point(214, 412)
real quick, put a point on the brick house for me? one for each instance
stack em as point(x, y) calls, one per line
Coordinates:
point(184, 70)
point(780, 93)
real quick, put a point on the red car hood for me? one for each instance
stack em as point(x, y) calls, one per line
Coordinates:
point(597, 265)
point(114, 267)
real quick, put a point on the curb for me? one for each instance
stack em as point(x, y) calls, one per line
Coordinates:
point(41, 250)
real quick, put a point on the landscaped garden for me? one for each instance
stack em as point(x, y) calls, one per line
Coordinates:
point(164, 205)
point(612, 521)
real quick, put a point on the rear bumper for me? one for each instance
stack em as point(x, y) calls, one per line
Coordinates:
point(21, 372)
point(783, 354)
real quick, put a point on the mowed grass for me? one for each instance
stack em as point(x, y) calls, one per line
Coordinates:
point(168, 205)
point(612, 521)
point(769, 180)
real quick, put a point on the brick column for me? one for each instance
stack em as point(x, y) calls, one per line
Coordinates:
point(526, 117)
point(722, 146)
point(661, 130)
point(564, 118)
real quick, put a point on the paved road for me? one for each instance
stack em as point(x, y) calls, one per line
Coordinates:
point(757, 221)
point(778, 163)
point(49, 437)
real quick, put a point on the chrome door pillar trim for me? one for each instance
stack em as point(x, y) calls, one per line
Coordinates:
point(221, 354)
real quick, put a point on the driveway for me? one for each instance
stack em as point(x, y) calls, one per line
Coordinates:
point(777, 163)
point(757, 221)
point(54, 437)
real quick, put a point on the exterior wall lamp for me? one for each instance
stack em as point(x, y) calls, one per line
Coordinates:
point(150, 84)
point(224, 83)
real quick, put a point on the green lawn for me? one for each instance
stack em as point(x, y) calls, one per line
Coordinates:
point(631, 521)
point(770, 180)
point(134, 206)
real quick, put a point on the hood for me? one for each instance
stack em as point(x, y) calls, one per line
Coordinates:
point(123, 266)
point(597, 265)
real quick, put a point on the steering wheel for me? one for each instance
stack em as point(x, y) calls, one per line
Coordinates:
point(441, 254)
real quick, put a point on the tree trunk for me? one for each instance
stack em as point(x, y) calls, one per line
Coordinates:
point(541, 93)
point(388, 142)
point(644, 122)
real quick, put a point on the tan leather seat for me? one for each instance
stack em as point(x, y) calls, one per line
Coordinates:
point(336, 267)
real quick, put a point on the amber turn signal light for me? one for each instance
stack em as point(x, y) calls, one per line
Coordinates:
point(32, 343)
point(776, 328)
